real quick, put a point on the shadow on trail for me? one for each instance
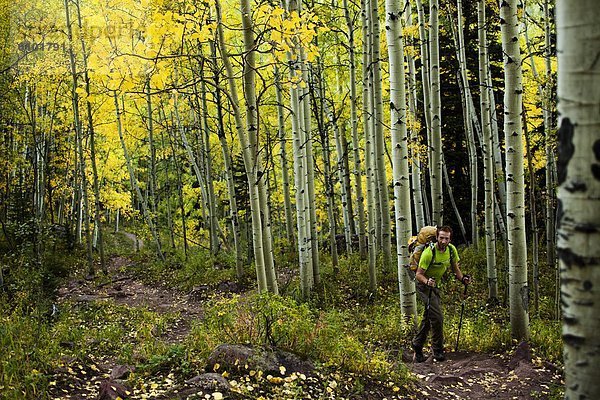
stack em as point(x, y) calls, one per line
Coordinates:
point(467, 375)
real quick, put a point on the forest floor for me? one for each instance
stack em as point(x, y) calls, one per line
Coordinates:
point(463, 375)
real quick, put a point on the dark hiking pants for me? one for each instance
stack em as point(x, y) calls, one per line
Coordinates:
point(433, 319)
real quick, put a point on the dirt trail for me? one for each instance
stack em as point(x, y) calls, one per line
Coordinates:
point(123, 288)
point(483, 376)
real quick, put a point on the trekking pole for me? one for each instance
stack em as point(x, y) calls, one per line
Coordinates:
point(428, 302)
point(462, 310)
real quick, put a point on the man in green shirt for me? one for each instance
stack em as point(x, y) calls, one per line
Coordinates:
point(434, 262)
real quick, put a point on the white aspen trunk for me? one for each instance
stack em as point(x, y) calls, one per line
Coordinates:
point(378, 135)
point(470, 134)
point(328, 177)
point(426, 83)
point(415, 161)
point(515, 182)
point(550, 148)
point(488, 161)
point(342, 165)
point(340, 154)
point(285, 178)
point(362, 245)
point(367, 128)
point(435, 162)
point(497, 145)
point(249, 84)
point(305, 255)
point(215, 229)
point(310, 169)
point(249, 161)
point(533, 219)
point(578, 41)
point(399, 133)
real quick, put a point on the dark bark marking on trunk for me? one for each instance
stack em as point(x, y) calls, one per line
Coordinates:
point(566, 148)
point(573, 340)
point(570, 321)
point(525, 297)
point(596, 166)
point(570, 259)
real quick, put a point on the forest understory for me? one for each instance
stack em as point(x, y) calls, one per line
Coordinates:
point(513, 373)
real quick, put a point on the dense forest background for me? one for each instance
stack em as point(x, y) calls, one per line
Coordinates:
point(292, 149)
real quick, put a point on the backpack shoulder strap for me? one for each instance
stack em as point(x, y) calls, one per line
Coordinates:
point(432, 247)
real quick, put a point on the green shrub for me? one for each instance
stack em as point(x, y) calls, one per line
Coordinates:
point(331, 337)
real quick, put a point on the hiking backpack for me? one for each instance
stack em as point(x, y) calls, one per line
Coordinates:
point(416, 245)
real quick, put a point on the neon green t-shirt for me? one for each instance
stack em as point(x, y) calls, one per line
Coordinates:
point(440, 264)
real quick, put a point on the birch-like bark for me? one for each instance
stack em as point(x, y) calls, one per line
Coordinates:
point(435, 162)
point(362, 236)
point(379, 143)
point(550, 147)
point(532, 217)
point(399, 133)
point(367, 129)
point(578, 41)
point(310, 164)
point(415, 160)
point(305, 255)
point(248, 143)
point(340, 154)
point(515, 182)
point(285, 178)
point(488, 161)
point(342, 167)
point(426, 87)
point(470, 134)
point(215, 229)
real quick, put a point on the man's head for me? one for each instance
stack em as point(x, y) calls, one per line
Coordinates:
point(443, 236)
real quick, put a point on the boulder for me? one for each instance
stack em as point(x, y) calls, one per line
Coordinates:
point(237, 357)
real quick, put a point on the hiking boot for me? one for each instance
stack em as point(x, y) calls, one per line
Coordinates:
point(418, 356)
point(439, 356)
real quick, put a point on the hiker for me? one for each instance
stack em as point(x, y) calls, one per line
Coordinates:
point(433, 263)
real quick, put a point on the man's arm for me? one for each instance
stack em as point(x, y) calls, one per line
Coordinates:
point(457, 272)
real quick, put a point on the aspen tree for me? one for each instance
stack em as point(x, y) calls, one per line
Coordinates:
point(285, 178)
point(578, 41)
point(367, 129)
point(362, 237)
point(399, 133)
point(488, 161)
point(435, 162)
point(469, 126)
point(378, 135)
point(550, 146)
point(245, 132)
point(515, 201)
point(415, 162)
